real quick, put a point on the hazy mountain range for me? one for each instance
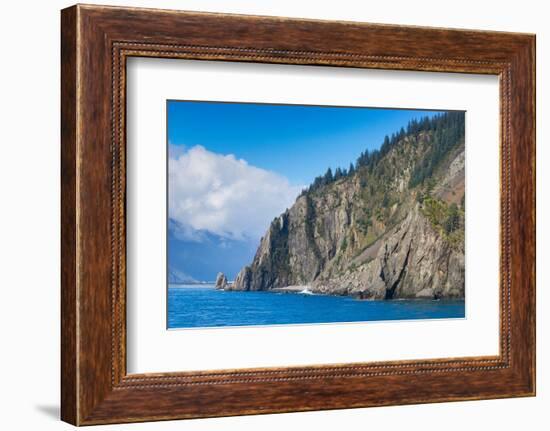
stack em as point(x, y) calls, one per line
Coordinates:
point(198, 255)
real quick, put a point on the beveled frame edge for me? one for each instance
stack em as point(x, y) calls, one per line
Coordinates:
point(96, 41)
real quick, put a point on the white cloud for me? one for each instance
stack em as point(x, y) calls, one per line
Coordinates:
point(224, 195)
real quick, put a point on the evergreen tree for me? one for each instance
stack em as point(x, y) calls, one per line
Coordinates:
point(327, 179)
point(401, 133)
point(452, 222)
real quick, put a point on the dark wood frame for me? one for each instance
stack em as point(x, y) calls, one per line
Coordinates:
point(95, 43)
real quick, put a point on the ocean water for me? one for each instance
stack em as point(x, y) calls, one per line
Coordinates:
point(192, 306)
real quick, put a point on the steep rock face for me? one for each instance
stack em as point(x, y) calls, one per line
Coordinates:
point(394, 228)
point(270, 267)
point(412, 261)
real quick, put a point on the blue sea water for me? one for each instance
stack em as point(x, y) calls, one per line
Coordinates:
point(192, 306)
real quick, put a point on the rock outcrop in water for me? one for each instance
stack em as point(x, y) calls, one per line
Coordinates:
point(392, 226)
point(221, 281)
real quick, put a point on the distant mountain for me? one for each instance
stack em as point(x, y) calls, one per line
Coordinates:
point(200, 254)
point(390, 226)
point(179, 277)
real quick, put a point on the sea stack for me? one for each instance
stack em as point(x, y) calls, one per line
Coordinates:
point(221, 281)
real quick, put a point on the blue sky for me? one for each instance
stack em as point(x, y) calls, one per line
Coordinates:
point(298, 142)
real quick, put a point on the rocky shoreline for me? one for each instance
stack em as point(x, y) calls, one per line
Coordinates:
point(311, 290)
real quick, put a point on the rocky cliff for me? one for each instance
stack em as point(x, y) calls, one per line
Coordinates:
point(392, 226)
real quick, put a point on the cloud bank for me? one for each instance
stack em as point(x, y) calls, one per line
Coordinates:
point(224, 195)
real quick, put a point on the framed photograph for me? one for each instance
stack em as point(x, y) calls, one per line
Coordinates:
point(266, 215)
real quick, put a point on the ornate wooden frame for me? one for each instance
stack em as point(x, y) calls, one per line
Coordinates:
point(95, 43)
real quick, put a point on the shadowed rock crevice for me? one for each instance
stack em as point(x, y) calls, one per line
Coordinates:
point(391, 290)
